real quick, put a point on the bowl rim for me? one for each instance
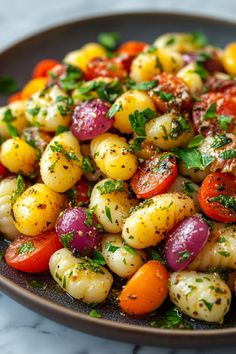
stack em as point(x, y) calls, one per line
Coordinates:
point(50, 309)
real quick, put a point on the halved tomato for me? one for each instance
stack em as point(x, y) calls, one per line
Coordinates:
point(32, 254)
point(155, 176)
point(132, 48)
point(43, 67)
point(217, 197)
point(105, 67)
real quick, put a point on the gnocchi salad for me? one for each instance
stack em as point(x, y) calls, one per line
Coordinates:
point(118, 175)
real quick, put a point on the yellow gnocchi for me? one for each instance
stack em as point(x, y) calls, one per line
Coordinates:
point(12, 116)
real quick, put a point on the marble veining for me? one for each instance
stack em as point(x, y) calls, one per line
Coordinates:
point(21, 330)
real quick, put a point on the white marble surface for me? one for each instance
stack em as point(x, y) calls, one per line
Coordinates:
point(21, 330)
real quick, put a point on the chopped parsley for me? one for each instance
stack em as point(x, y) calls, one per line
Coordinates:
point(114, 109)
point(220, 140)
point(211, 111)
point(144, 86)
point(33, 111)
point(196, 141)
point(110, 186)
point(8, 118)
point(89, 216)
point(170, 41)
point(136, 145)
point(37, 284)
point(67, 238)
point(111, 248)
point(172, 319)
point(98, 258)
point(57, 147)
point(87, 165)
point(70, 79)
point(61, 129)
point(157, 257)
point(203, 56)
point(191, 158)
point(1, 255)
point(7, 85)
point(26, 247)
point(183, 256)
point(107, 91)
point(131, 250)
point(93, 265)
point(139, 119)
point(109, 40)
point(201, 71)
point(199, 39)
point(225, 200)
point(208, 304)
point(19, 189)
point(228, 154)
point(94, 313)
point(224, 253)
point(224, 121)
point(221, 239)
point(189, 188)
point(165, 96)
point(108, 213)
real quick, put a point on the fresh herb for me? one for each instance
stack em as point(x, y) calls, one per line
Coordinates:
point(221, 239)
point(192, 158)
point(1, 255)
point(172, 319)
point(111, 248)
point(189, 188)
point(198, 280)
point(93, 265)
point(157, 257)
point(26, 247)
point(183, 256)
point(37, 284)
point(136, 145)
point(87, 165)
point(8, 118)
point(203, 57)
point(199, 39)
point(170, 41)
point(70, 79)
point(109, 40)
point(220, 140)
point(208, 304)
point(57, 147)
point(33, 111)
point(144, 86)
point(179, 126)
point(7, 85)
point(224, 253)
point(114, 109)
point(159, 64)
point(61, 129)
point(67, 238)
point(98, 258)
point(165, 96)
point(211, 111)
point(228, 154)
point(110, 186)
point(196, 141)
point(224, 121)
point(139, 119)
point(131, 250)
point(201, 71)
point(108, 213)
point(225, 200)
point(89, 216)
point(94, 313)
point(151, 49)
point(107, 91)
point(19, 189)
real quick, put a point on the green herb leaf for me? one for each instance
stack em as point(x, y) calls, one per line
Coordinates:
point(66, 239)
point(183, 256)
point(61, 129)
point(7, 85)
point(172, 319)
point(224, 253)
point(87, 165)
point(1, 255)
point(170, 41)
point(157, 257)
point(19, 189)
point(37, 284)
point(114, 108)
point(136, 145)
point(110, 186)
point(165, 96)
point(98, 258)
point(70, 79)
point(131, 250)
point(89, 216)
point(109, 40)
point(26, 247)
point(189, 188)
point(112, 248)
point(108, 213)
point(201, 71)
point(33, 111)
point(208, 304)
point(224, 121)
point(199, 39)
point(220, 140)
point(196, 141)
point(94, 313)
point(8, 118)
point(139, 119)
point(228, 154)
point(225, 200)
point(144, 86)
point(57, 147)
point(211, 112)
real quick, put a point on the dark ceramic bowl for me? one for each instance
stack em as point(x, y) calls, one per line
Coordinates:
point(18, 62)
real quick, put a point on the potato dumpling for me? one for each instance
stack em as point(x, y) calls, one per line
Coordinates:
point(180, 42)
point(185, 185)
point(128, 103)
point(229, 58)
point(190, 76)
point(202, 296)
point(195, 174)
point(169, 131)
point(49, 108)
point(12, 115)
point(60, 165)
point(82, 56)
point(151, 221)
point(80, 278)
point(111, 203)
point(37, 209)
point(122, 259)
point(7, 188)
point(150, 63)
point(18, 156)
point(112, 157)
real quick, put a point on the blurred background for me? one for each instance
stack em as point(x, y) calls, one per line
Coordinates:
point(19, 18)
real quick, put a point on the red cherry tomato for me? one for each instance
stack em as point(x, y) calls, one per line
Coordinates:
point(42, 68)
point(82, 189)
point(171, 93)
point(215, 84)
point(155, 176)
point(224, 105)
point(217, 197)
point(105, 67)
point(3, 170)
point(132, 48)
point(15, 97)
point(32, 254)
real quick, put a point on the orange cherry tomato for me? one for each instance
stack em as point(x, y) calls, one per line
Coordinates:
point(15, 97)
point(105, 67)
point(155, 176)
point(221, 105)
point(33, 86)
point(217, 197)
point(146, 290)
point(32, 254)
point(132, 48)
point(42, 68)
point(171, 93)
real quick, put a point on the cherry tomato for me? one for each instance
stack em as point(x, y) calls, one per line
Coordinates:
point(15, 97)
point(78, 194)
point(171, 93)
point(212, 113)
point(155, 176)
point(3, 170)
point(32, 254)
point(42, 68)
point(132, 48)
point(217, 197)
point(105, 67)
point(33, 86)
point(215, 84)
